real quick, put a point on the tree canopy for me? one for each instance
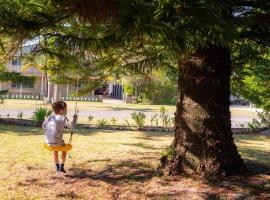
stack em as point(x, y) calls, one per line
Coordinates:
point(201, 39)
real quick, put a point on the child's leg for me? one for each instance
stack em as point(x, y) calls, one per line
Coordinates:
point(56, 160)
point(63, 157)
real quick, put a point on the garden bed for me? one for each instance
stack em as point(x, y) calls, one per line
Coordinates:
point(20, 122)
point(31, 123)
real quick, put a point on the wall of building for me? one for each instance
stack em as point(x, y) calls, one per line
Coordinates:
point(36, 90)
point(40, 86)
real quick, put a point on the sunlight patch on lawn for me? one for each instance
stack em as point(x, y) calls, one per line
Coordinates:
point(104, 165)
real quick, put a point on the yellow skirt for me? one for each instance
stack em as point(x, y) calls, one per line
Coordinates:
point(66, 147)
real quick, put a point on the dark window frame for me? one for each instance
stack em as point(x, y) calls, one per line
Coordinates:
point(25, 84)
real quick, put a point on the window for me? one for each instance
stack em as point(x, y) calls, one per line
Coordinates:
point(16, 62)
point(25, 84)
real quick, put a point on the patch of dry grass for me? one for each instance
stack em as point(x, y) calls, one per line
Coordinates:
point(116, 165)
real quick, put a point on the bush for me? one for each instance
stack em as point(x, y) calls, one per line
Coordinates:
point(127, 122)
point(165, 118)
point(263, 122)
point(40, 114)
point(2, 96)
point(90, 118)
point(264, 118)
point(169, 152)
point(20, 115)
point(113, 120)
point(102, 123)
point(154, 119)
point(139, 118)
point(157, 87)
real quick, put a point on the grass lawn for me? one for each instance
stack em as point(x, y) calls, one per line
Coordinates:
point(118, 165)
point(21, 104)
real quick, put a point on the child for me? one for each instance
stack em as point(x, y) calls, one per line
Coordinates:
point(54, 127)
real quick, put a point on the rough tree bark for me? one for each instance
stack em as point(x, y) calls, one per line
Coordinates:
point(203, 141)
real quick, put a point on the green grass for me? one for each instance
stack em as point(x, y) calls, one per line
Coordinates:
point(20, 104)
point(112, 165)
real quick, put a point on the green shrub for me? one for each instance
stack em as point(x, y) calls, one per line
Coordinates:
point(40, 114)
point(2, 96)
point(20, 115)
point(254, 125)
point(169, 151)
point(264, 118)
point(154, 119)
point(139, 118)
point(156, 87)
point(90, 118)
point(164, 117)
point(102, 123)
point(240, 125)
point(127, 122)
point(263, 122)
point(113, 120)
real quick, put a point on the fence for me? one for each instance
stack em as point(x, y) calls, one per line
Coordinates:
point(91, 98)
point(23, 96)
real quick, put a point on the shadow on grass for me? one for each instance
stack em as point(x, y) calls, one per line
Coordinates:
point(249, 185)
point(118, 173)
point(28, 131)
point(20, 130)
point(67, 195)
point(256, 155)
point(154, 135)
point(32, 181)
point(256, 168)
point(133, 109)
point(130, 172)
point(98, 160)
point(142, 145)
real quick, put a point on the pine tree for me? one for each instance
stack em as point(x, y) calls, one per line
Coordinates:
point(198, 34)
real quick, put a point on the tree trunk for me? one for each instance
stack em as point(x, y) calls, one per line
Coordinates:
point(203, 141)
point(47, 83)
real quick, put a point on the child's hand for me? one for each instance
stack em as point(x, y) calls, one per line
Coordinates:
point(75, 117)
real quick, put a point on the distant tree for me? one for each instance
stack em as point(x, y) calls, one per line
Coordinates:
point(6, 76)
point(251, 74)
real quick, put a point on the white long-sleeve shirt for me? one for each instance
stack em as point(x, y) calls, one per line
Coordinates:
point(54, 126)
